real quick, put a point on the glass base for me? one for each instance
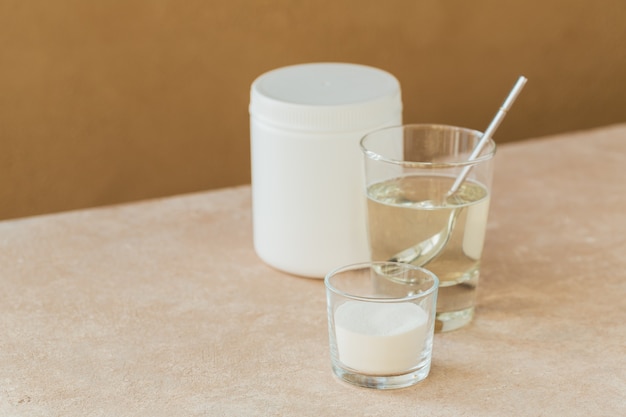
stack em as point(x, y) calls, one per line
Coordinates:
point(453, 320)
point(382, 382)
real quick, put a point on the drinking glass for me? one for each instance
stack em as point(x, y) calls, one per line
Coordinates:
point(381, 320)
point(417, 215)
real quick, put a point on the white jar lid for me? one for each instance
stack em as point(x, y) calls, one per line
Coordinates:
point(325, 97)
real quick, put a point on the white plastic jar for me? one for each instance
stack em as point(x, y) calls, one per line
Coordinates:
point(308, 199)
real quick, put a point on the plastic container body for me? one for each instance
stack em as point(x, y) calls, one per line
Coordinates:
point(308, 200)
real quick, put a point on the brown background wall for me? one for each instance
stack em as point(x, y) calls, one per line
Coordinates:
point(119, 100)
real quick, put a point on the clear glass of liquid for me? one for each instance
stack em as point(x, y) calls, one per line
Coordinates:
point(415, 216)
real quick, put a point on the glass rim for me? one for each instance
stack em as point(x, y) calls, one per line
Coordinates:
point(362, 265)
point(490, 149)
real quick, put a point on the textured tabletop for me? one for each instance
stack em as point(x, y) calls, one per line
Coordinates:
point(162, 308)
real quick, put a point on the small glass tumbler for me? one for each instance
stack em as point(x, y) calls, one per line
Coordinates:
point(381, 320)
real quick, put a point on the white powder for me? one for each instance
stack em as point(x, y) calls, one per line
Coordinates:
point(380, 338)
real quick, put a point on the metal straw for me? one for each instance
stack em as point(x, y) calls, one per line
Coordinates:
point(517, 88)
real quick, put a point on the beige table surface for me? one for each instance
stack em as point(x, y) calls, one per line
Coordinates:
point(162, 308)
